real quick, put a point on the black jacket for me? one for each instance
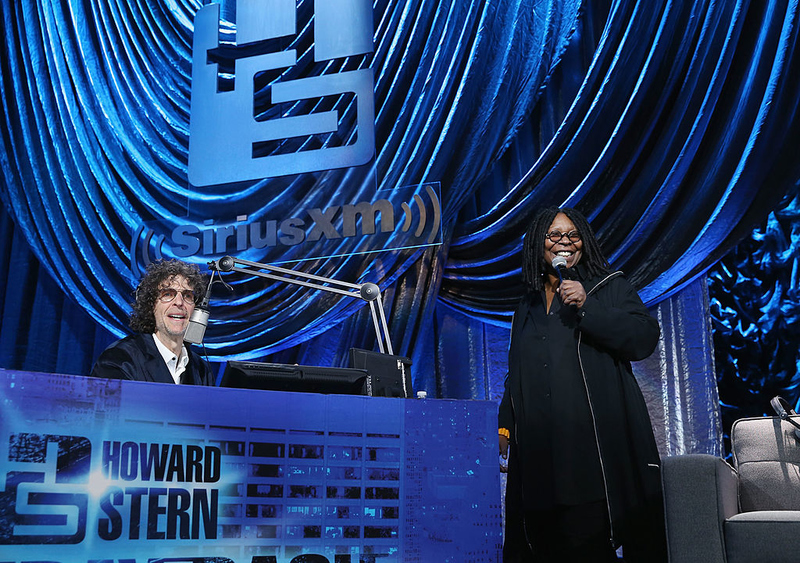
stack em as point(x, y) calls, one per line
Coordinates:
point(136, 357)
point(613, 329)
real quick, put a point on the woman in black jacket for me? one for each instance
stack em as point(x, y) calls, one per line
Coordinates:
point(584, 469)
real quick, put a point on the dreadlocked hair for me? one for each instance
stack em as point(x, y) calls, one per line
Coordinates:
point(158, 274)
point(534, 266)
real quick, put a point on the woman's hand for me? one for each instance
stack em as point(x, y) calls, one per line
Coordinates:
point(572, 293)
point(503, 453)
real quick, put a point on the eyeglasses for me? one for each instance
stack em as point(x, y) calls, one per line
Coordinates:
point(556, 236)
point(167, 295)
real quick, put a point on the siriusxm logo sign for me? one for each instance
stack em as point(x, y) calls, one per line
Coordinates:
point(253, 116)
point(405, 218)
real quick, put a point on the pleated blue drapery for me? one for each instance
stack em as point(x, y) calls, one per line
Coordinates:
point(672, 125)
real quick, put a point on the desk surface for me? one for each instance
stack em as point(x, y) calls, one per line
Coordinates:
point(109, 469)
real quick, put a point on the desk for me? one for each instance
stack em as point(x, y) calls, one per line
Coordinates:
point(95, 469)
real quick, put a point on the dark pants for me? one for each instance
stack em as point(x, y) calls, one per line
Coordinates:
point(564, 534)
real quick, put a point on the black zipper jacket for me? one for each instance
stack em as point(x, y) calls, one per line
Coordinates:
point(613, 328)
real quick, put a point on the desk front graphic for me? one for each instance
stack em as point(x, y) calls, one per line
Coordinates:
point(111, 470)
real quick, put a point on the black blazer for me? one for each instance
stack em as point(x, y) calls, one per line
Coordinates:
point(137, 358)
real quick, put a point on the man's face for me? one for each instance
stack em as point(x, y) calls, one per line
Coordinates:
point(172, 316)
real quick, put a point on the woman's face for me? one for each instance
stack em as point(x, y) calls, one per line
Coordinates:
point(569, 249)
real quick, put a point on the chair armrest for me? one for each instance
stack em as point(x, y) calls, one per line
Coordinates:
point(700, 492)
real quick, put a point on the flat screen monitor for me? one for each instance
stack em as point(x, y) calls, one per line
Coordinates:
point(289, 377)
point(390, 376)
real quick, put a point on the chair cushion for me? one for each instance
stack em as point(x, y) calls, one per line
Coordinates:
point(770, 536)
point(767, 457)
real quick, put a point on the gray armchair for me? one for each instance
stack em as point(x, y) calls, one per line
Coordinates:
point(716, 513)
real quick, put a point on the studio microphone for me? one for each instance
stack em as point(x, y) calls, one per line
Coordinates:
point(199, 320)
point(558, 263)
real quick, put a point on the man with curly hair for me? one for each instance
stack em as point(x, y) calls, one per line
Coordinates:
point(165, 299)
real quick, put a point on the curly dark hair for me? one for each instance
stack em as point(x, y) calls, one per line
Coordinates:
point(534, 265)
point(159, 274)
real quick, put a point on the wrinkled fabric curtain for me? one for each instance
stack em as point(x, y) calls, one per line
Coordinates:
point(672, 125)
point(96, 99)
point(655, 141)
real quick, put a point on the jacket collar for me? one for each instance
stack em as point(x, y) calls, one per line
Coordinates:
point(154, 363)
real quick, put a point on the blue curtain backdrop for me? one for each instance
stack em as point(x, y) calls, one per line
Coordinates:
point(672, 125)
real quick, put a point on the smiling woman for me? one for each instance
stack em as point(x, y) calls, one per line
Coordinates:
point(165, 299)
point(563, 240)
point(583, 463)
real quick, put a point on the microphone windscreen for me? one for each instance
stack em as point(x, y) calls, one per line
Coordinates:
point(196, 329)
point(559, 262)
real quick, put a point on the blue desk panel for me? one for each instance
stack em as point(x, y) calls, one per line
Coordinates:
point(102, 470)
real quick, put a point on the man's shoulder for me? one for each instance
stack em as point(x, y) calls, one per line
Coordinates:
point(202, 369)
point(137, 341)
point(135, 346)
point(132, 357)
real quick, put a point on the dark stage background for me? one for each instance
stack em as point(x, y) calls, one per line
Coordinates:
point(672, 125)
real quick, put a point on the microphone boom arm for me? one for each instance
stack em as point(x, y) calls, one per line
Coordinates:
point(368, 292)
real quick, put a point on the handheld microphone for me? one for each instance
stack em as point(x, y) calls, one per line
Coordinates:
point(558, 263)
point(198, 322)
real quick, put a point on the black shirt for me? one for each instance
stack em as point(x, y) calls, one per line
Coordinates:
point(566, 470)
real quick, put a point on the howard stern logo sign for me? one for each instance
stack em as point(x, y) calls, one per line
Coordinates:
point(140, 491)
point(288, 91)
point(45, 500)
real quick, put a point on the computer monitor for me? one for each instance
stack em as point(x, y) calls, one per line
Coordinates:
point(286, 377)
point(390, 376)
